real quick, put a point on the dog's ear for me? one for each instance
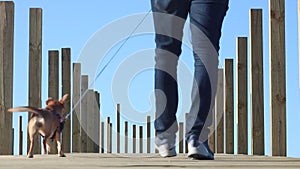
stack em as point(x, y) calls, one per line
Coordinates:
point(64, 98)
point(48, 100)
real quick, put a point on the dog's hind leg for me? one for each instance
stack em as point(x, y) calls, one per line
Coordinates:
point(31, 132)
point(59, 145)
point(30, 152)
point(44, 146)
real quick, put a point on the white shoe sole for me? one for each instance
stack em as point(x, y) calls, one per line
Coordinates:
point(164, 151)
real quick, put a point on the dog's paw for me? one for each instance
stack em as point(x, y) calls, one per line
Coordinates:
point(62, 155)
point(29, 156)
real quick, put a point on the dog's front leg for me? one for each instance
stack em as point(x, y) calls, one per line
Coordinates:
point(59, 145)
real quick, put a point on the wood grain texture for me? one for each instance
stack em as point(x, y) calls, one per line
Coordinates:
point(278, 77)
point(66, 89)
point(91, 126)
point(212, 136)
point(76, 142)
point(229, 106)
point(53, 82)
point(6, 75)
point(84, 112)
point(220, 112)
point(242, 95)
point(35, 66)
point(257, 81)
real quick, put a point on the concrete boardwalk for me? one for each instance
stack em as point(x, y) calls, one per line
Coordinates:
point(95, 161)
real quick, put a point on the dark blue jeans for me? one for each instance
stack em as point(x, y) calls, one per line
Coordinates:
point(169, 19)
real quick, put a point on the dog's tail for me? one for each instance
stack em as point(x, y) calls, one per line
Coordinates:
point(27, 109)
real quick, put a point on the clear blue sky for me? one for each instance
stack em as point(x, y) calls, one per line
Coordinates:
point(71, 24)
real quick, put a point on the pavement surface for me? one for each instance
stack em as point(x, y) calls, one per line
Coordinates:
point(149, 161)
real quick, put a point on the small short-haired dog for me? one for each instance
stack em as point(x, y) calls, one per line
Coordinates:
point(48, 122)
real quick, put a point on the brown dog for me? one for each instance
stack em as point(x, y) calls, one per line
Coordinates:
point(46, 122)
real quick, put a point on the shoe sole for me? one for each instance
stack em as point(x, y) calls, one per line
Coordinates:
point(199, 157)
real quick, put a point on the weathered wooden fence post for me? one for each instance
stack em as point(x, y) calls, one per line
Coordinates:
point(66, 89)
point(108, 135)
point(76, 141)
point(102, 138)
point(35, 66)
point(91, 127)
point(180, 137)
point(126, 137)
point(229, 106)
point(278, 77)
point(242, 95)
point(141, 139)
point(84, 113)
point(20, 136)
point(118, 127)
point(93, 122)
point(148, 134)
point(220, 112)
point(134, 138)
point(257, 81)
point(97, 122)
point(211, 138)
point(53, 82)
point(6, 75)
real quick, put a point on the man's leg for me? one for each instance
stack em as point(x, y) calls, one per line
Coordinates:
point(206, 23)
point(169, 18)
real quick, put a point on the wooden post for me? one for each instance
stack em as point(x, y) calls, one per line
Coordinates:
point(76, 142)
point(91, 126)
point(242, 95)
point(229, 106)
point(35, 66)
point(6, 74)
point(126, 137)
point(211, 139)
point(84, 113)
point(278, 77)
point(13, 140)
point(53, 78)
point(97, 122)
point(220, 112)
point(257, 84)
point(20, 136)
point(102, 138)
point(66, 89)
point(141, 138)
point(134, 139)
point(148, 121)
point(181, 138)
point(108, 140)
point(185, 132)
point(118, 128)
point(110, 135)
